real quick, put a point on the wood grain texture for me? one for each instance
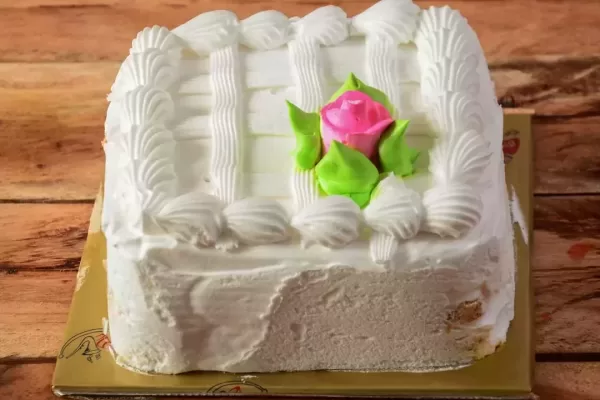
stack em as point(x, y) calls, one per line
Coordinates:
point(43, 236)
point(554, 86)
point(567, 309)
point(52, 123)
point(566, 272)
point(566, 381)
point(26, 381)
point(566, 232)
point(567, 160)
point(34, 312)
point(71, 30)
point(554, 381)
point(51, 120)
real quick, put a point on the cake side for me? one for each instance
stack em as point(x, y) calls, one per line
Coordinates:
point(286, 317)
point(171, 291)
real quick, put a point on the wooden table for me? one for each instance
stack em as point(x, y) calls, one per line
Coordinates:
point(59, 58)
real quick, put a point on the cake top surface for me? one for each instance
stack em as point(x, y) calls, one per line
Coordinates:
point(293, 135)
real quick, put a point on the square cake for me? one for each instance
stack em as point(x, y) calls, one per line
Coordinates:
point(310, 193)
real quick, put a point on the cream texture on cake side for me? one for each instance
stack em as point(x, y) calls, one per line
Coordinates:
point(223, 256)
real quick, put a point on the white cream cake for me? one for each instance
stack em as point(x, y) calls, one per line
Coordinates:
point(311, 193)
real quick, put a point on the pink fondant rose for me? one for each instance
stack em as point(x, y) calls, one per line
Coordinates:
point(355, 120)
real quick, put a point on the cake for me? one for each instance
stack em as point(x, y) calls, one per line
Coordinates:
point(311, 193)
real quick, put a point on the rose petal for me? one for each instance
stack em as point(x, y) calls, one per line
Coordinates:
point(355, 120)
point(344, 116)
point(330, 133)
point(354, 95)
point(366, 143)
point(379, 127)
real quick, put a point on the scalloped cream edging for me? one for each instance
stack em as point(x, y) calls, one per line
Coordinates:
point(452, 207)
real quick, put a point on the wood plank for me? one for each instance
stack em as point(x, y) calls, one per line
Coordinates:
point(553, 86)
point(566, 264)
point(567, 273)
point(566, 156)
point(51, 127)
point(553, 381)
point(567, 381)
point(67, 3)
point(566, 233)
point(68, 30)
point(44, 236)
point(33, 312)
point(52, 118)
point(26, 381)
point(567, 309)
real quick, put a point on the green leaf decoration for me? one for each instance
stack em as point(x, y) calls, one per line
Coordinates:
point(347, 172)
point(362, 199)
point(307, 129)
point(395, 155)
point(353, 83)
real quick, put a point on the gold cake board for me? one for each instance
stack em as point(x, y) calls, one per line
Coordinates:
point(85, 366)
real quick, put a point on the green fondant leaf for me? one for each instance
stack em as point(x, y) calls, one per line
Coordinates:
point(353, 83)
point(306, 127)
point(361, 199)
point(348, 172)
point(395, 155)
point(413, 154)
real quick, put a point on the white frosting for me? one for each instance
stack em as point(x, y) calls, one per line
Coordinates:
point(455, 113)
point(156, 37)
point(257, 221)
point(461, 159)
point(195, 216)
point(396, 210)
point(198, 160)
point(304, 60)
point(393, 20)
point(395, 214)
point(331, 221)
point(224, 123)
point(386, 24)
point(151, 68)
point(294, 316)
point(266, 30)
point(450, 75)
point(326, 26)
point(209, 32)
point(382, 247)
point(453, 206)
point(517, 215)
point(145, 104)
point(452, 210)
point(435, 18)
